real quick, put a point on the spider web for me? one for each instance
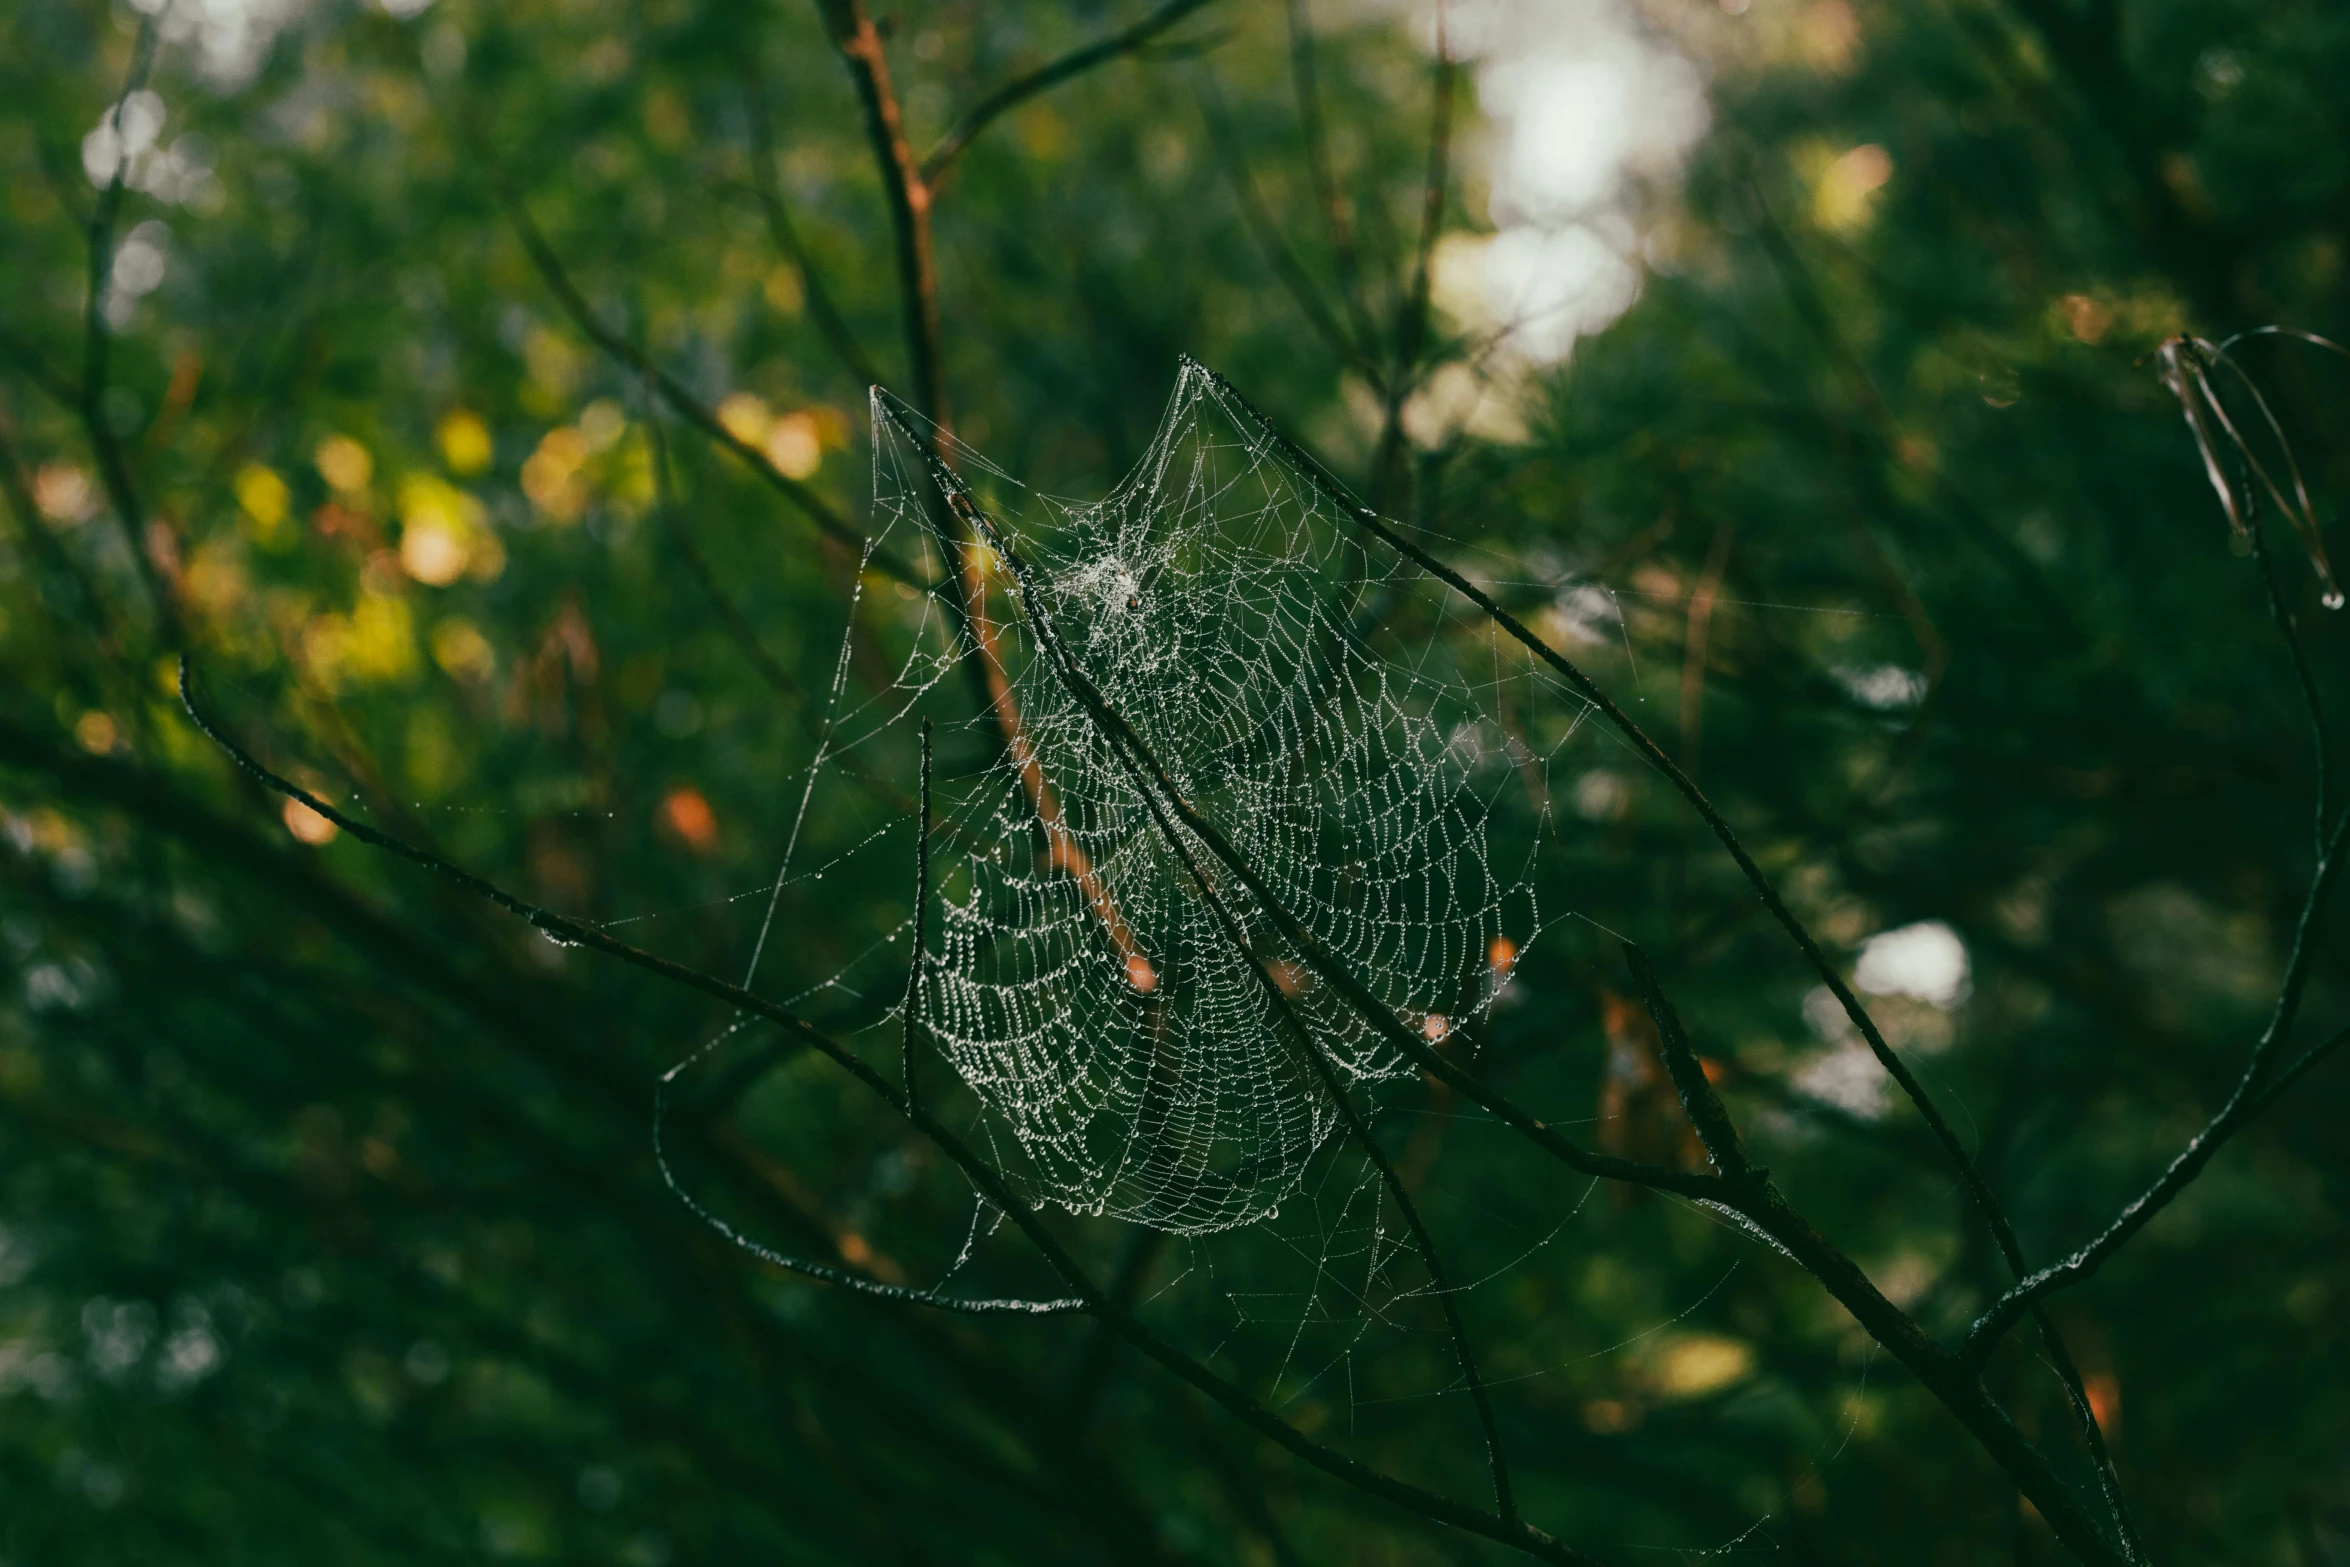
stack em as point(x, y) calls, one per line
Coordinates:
point(1127, 1054)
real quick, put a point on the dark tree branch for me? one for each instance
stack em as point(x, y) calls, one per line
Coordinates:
point(1584, 686)
point(965, 589)
point(2299, 1067)
point(1706, 1112)
point(1934, 1365)
point(1142, 769)
point(2248, 1100)
point(990, 1183)
point(908, 194)
point(1411, 327)
point(1044, 79)
point(1309, 947)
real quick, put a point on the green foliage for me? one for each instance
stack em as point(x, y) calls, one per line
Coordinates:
point(330, 1226)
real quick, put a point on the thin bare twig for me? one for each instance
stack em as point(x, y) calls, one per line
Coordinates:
point(1292, 273)
point(909, 197)
point(1089, 1297)
point(1411, 327)
point(908, 194)
point(1933, 1364)
point(691, 409)
point(1045, 78)
point(2247, 1101)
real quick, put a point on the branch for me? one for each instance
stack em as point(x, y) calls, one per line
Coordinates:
point(984, 1176)
point(1411, 328)
point(854, 35)
point(2300, 1066)
point(908, 193)
point(1706, 1112)
point(1142, 769)
point(2248, 1100)
point(1767, 1208)
point(1590, 691)
point(811, 505)
point(1316, 956)
point(1044, 79)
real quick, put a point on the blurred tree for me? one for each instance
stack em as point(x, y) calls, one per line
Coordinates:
point(477, 394)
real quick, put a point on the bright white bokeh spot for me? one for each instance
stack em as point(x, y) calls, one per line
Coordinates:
point(1554, 285)
point(1586, 613)
point(228, 39)
point(1885, 687)
point(141, 262)
point(1585, 103)
point(1849, 1078)
point(1926, 962)
point(122, 132)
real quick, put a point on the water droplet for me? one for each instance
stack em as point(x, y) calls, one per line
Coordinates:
point(2333, 599)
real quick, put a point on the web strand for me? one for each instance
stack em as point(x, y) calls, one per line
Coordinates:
point(1123, 1044)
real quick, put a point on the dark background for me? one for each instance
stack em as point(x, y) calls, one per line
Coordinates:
point(329, 1223)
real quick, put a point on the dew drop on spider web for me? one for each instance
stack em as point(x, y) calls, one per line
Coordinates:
point(1326, 706)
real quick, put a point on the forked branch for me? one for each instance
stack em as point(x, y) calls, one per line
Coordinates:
point(1756, 1202)
point(1143, 772)
point(2251, 1096)
point(1045, 78)
point(1088, 1296)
